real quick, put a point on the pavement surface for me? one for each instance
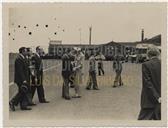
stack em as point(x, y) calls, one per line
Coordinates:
point(122, 103)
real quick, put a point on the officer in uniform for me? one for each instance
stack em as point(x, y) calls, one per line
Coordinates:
point(77, 71)
point(21, 78)
point(37, 78)
point(67, 71)
point(117, 66)
point(92, 73)
point(100, 59)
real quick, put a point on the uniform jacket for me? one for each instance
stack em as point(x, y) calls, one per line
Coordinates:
point(117, 66)
point(92, 64)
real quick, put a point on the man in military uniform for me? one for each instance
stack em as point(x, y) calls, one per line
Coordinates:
point(92, 73)
point(67, 71)
point(100, 59)
point(117, 66)
point(77, 71)
point(37, 78)
point(21, 78)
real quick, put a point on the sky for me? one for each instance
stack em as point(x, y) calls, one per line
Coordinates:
point(120, 22)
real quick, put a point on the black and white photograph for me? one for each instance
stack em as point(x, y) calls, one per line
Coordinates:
point(85, 64)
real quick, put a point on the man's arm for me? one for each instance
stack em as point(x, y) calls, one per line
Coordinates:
point(148, 83)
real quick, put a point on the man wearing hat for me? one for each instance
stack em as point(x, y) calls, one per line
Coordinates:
point(117, 66)
point(151, 87)
point(67, 70)
point(92, 73)
point(100, 57)
point(21, 78)
point(77, 71)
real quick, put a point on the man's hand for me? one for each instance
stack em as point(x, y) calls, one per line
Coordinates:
point(25, 81)
point(159, 100)
point(74, 69)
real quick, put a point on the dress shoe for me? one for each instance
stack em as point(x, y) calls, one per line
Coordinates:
point(121, 84)
point(87, 88)
point(67, 97)
point(44, 101)
point(26, 108)
point(96, 89)
point(114, 86)
point(12, 106)
point(72, 86)
point(31, 104)
point(77, 96)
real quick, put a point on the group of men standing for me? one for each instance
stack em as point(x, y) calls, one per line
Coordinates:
point(151, 84)
point(72, 64)
point(28, 77)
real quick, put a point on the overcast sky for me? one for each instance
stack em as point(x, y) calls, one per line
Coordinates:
point(117, 22)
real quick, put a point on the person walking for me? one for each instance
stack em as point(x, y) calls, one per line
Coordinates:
point(92, 81)
point(37, 79)
point(21, 78)
point(31, 73)
point(100, 59)
point(117, 66)
point(67, 70)
point(77, 71)
point(151, 87)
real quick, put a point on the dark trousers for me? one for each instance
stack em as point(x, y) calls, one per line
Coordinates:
point(92, 80)
point(37, 85)
point(29, 95)
point(150, 113)
point(100, 70)
point(40, 92)
point(21, 98)
point(65, 87)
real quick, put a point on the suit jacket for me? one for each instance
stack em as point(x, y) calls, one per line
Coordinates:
point(37, 61)
point(151, 89)
point(67, 67)
point(21, 70)
point(38, 64)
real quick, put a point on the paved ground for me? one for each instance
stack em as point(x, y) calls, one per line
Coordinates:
point(107, 103)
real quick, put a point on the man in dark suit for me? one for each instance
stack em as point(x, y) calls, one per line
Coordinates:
point(31, 69)
point(151, 89)
point(67, 71)
point(21, 78)
point(37, 79)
